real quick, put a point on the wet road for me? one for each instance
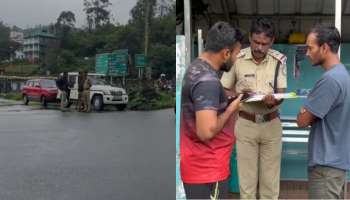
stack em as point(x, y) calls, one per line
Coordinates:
point(47, 154)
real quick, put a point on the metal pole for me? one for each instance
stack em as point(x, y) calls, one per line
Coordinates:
point(147, 19)
point(338, 12)
point(188, 30)
point(200, 42)
point(33, 51)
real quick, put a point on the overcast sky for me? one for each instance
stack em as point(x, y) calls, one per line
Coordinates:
point(28, 13)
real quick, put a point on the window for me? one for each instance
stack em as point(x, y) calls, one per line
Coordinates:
point(72, 80)
point(36, 83)
point(48, 83)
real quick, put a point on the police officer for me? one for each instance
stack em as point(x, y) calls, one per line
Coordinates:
point(260, 70)
point(86, 92)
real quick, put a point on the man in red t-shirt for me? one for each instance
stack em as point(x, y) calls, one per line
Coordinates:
point(206, 137)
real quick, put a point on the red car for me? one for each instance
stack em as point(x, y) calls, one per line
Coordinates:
point(41, 90)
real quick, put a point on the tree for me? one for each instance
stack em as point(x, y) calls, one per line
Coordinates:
point(141, 17)
point(165, 7)
point(50, 62)
point(97, 13)
point(162, 60)
point(6, 46)
point(58, 60)
point(163, 27)
point(79, 46)
point(162, 49)
point(125, 37)
point(64, 24)
point(138, 13)
point(66, 18)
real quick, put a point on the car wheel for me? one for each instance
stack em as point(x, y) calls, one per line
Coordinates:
point(25, 100)
point(43, 101)
point(121, 107)
point(97, 103)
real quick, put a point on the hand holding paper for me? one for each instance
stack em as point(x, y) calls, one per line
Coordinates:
point(270, 100)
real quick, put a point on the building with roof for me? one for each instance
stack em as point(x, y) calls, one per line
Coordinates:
point(17, 35)
point(36, 45)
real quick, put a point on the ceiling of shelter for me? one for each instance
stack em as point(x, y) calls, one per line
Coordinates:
point(288, 15)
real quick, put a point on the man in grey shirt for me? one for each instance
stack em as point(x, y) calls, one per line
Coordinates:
point(327, 110)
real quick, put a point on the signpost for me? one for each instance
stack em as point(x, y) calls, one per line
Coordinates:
point(102, 63)
point(113, 64)
point(140, 62)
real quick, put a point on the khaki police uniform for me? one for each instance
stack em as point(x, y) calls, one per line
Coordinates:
point(86, 95)
point(258, 128)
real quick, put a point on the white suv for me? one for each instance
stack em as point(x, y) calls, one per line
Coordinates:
point(101, 93)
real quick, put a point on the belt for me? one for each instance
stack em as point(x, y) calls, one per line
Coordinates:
point(256, 118)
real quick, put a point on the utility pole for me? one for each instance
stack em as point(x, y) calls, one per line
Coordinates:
point(147, 12)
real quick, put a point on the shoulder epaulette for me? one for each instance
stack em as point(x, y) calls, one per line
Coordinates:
point(278, 55)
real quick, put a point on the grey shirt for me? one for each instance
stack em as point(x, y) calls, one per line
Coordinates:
point(202, 90)
point(329, 101)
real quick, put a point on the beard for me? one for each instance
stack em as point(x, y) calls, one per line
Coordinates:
point(317, 63)
point(226, 66)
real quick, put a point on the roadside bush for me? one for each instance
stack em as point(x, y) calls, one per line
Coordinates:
point(150, 99)
point(12, 96)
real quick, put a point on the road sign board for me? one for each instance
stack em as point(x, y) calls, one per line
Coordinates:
point(113, 64)
point(140, 60)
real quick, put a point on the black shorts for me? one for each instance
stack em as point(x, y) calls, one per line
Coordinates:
point(216, 190)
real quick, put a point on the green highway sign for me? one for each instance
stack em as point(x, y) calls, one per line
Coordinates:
point(140, 60)
point(113, 64)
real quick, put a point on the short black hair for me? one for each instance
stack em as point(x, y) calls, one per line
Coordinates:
point(327, 34)
point(222, 35)
point(263, 25)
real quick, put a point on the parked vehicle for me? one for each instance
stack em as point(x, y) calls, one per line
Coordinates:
point(40, 90)
point(101, 93)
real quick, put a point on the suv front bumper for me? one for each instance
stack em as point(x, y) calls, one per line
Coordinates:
point(115, 100)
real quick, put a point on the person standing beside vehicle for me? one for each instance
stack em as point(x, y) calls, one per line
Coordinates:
point(63, 85)
point(86, 93)
point(80, 101)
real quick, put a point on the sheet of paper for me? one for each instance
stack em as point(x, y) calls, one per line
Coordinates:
point(259, 97)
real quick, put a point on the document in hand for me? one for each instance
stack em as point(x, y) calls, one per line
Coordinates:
point(259, 97)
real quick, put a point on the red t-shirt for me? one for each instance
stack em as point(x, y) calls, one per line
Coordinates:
point(203, 162)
